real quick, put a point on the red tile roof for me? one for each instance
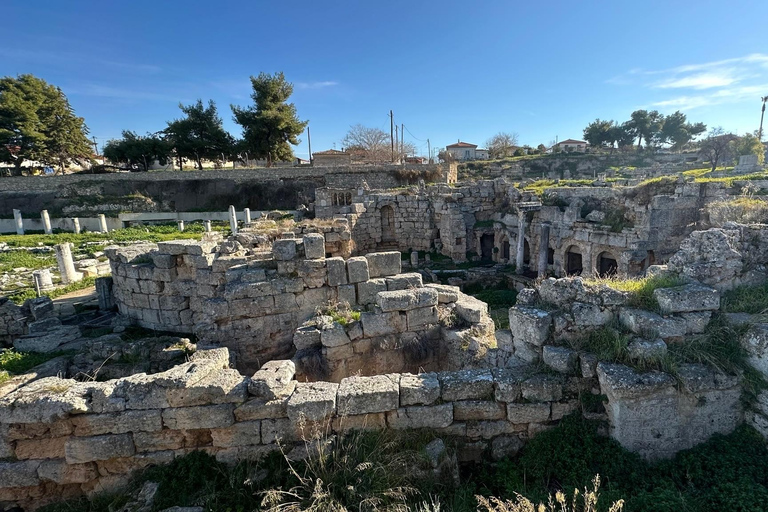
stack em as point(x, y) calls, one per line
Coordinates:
point(462, 145)
point(330, 152)
point(572, 141)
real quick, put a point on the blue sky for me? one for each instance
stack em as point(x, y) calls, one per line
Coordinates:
point(449, 70)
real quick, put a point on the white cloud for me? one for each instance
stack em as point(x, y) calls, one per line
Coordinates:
point(316, 85)
point(707, 80)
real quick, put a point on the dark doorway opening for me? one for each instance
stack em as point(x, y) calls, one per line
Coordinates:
point(505, 250)
point(573, 264)
point(607, 265)
point(526, 252)
point(486, 247)
point(387, 224)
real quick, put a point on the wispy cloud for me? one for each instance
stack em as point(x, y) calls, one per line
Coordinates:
point(316, 85)
point(67, 59)
point(703, 84)
point(123, 93)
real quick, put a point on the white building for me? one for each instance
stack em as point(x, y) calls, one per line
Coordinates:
point(572, 146)
point(466, 151)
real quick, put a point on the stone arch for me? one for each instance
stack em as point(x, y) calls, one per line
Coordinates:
point(348, 198)
point(606, 264)
point(387, 223)
point(486, 246)
point(335, 199)
point(573, 262)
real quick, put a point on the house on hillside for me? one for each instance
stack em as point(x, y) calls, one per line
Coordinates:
point(331, 157)
point(466, 151)
point(573, 146)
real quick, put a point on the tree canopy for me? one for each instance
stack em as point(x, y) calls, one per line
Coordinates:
point(748, 144)
point(271, 124)
point(199, 135)
point(717, 147)
point(501, 145)
point(37, 122)
point(135, 150)
point(369, 144)
point(653, 128)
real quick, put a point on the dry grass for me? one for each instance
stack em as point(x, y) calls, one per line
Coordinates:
point(745, 210)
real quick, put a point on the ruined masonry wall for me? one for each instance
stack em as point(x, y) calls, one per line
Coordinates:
point(63, 438)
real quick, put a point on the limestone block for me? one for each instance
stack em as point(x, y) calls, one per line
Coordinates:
point(41, 307)
point(314, 246)
point(645, 322)
point(687, 298)
point(471, 309)
point(421, 389)
point(312, 401)
point(471, 410)
point(618, 382)
point(239, 434)
point(431, 416)
point(284, 249)
point(255, 409)
point(333, 334)
point(357, 270)
point(507, 384)
point(646, 350)
point(526, 352)
point(40, 326)
point(373, 421)
point(48, 341)
point(505, 446)
point(362, 395)
point(59, 472)
point(696, 322)
point(19, 474)
point(588, 365)
point(528, 413)
point(306, 337)
point(337, 271)
point(171, 440)
point(272, 380)
point(755, 342)
point(44, 400)
point(560, 359)
point(47, 448)
point(404, 300)
point(117, 423)
point(204, 416)
point(339, 353)
point(404, 281)
point(281, 429)
point(232, 456)
point(445, 293)
point(382, 324)
point(347, 294)
point(563, 409)
point(504, 340)
point(529, 325)
point(367, 291)
point(421, 318)
point(381, 264)
point(88, 449)
point(466, 385)
point(590, 315)
point(542, 388)
point(213, 387)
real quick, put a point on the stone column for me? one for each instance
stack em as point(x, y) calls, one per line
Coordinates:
point(46, 222)
point(43, 280)
point(19, 222)
point(519, 260)
point(543, 249)
point(247, 212)
point(415, 259)
point(76, 224)
point(207, 225)
point(66, 265)
point(103, 223)
point(104, 293)
point(232, 219)
point(180, 223)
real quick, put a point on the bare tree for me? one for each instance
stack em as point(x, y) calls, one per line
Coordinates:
point(501, 145)
point(717, 146)
point(368, 144)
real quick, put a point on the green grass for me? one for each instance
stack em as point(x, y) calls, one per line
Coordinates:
point(20, 296)
point(728, 180)
point(538, 186)
point(746, 299)
point(10, 260)
point(17, 363)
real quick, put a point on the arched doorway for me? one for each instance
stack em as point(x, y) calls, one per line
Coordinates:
point(387, 224)
point(526, 252)
point(607, 264)
point(573, 262)
point(486, 246)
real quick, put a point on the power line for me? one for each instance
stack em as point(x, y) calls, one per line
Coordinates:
point(412, 135)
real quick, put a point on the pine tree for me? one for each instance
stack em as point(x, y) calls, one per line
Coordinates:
point(200, 135)
point(271, 124)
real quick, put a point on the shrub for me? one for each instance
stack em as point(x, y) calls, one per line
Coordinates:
point(640, 289)
point(746, 210)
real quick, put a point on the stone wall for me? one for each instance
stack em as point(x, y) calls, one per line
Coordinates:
point(265, 189)
point(13, 321)
point(62, 438)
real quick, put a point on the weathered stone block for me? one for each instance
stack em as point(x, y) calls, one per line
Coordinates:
point(507, 384)
point(543, 388)
point(505, 341)
point(471, 410)
point(382, 324)
point(88, 449)
point(445, 293)
point(19, 474)
point(362, 395)
point(560, 359)
point(239, 434)
point(314, 246)
point(466, 385)
point(372, 421)
point(421, 318)
point(646, 350)
point(404, 300)
point(471, 309)
point(404, 281)
point(645, 323)
point(434, 416)
point(505, 446)
point(337, 271)
point(306, 337)
point(687, 298)
point(117, 423)
point(528, 413)
point(381, 264)
point(265, 409)
point(205, 416)
point(422, 389)
point(284, 249)
point(272, 380)
point(590, 315)
point(59, 472)
point(588, 365)
point(281, 429)
point(357, 270)
point(47, 448)
point(368, 290)
point(529, 325)
point(333, 334)
point(312, 401)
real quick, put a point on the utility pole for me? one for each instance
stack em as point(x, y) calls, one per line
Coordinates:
point(392, 133)
point(96, 146)
point(429, 150)
point(402, 138)
point(762, 113)
point(397, 140)
point(309, 141)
